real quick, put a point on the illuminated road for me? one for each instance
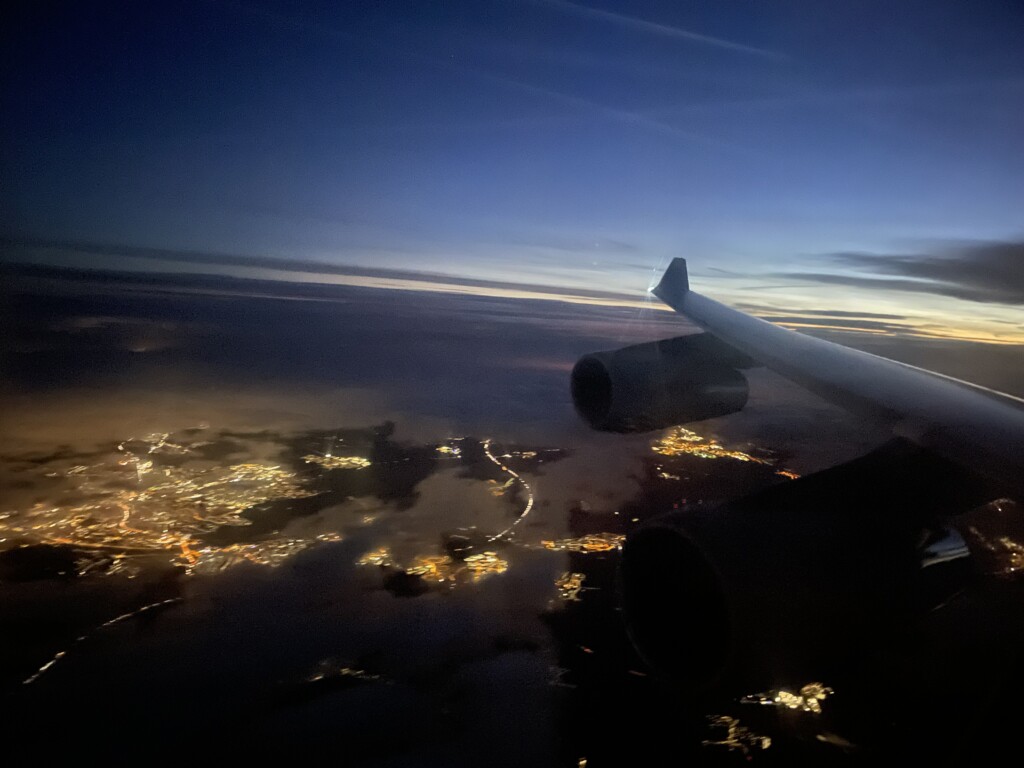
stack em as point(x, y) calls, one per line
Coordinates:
point(82, 638)
point(526, 487)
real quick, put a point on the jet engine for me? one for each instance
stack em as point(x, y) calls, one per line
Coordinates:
point(659, 384)
point(779, 583)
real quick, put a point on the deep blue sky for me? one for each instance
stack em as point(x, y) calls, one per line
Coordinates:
point(542, 141)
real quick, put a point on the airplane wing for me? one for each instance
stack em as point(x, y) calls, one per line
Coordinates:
point(822, 561)
point(962, 422)
point(970, 425)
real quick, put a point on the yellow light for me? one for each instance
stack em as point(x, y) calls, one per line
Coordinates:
point(127, 507)
point(337, 462)
point(736, 736)
point(592, 542)
point(379, 556)
point(570, 584)
point(684, 441)
point(808, 700)
point(484, 564)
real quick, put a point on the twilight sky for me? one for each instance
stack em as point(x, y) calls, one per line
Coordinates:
point(804, 156)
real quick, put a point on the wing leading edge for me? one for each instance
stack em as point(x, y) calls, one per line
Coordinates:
point(978, 428)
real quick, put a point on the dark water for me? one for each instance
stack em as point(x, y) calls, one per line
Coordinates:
point(369, 522)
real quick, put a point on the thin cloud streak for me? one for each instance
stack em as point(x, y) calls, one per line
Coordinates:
point(881, 95)
point(627, 117)
point(618, 115)
point(661, 30)
point(988, 273)
point(70, 260)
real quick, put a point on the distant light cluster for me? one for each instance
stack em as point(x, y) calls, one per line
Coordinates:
point(807, 700)
point(681, 441)
point(1008, 554)
point(592, 542)
point(328, 669)
point(685, 442)
point(380, 556)
point(484, 564)
point(158, 498)
point(440, 568)
point(736, 736)
point(329, 461)
point(272, 553)
point(570, 584)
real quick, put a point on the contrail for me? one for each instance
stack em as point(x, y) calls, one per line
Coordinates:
point(662, 30)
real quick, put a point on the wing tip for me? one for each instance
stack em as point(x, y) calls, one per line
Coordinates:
point(675, 281)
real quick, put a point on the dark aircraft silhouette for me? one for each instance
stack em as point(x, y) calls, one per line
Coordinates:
point(772, 583)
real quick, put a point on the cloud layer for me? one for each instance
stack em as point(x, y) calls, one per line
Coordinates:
point(986, 272)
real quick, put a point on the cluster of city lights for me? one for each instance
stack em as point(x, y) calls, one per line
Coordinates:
point(157, 498)
point(330, 461)
point(681, 441)
point(685, 442)
point(329, 669)
point(271, 552)
point(592, 542)
point(735, 736)
point(807, 700)
point(570, 584)
point(440, 568)
point(991, 530)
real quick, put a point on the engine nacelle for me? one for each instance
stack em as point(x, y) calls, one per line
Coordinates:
point(779, 585)
point(659, 384)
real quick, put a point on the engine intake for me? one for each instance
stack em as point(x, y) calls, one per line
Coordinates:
point(659, 384)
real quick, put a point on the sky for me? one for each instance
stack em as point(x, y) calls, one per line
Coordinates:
point(853, 157)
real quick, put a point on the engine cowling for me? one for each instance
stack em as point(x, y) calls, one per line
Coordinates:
point(778, 585)
point(659, 384)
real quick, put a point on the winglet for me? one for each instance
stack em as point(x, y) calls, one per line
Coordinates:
point(674, 283)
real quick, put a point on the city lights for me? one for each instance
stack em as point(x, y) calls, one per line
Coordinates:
point(570, 584)
point(807, 700)
point(592, 542)
point(736, 736)
point(513, 476)
point(158, 498)
point(440, 568)
point(328, 461)
point(681, 441)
